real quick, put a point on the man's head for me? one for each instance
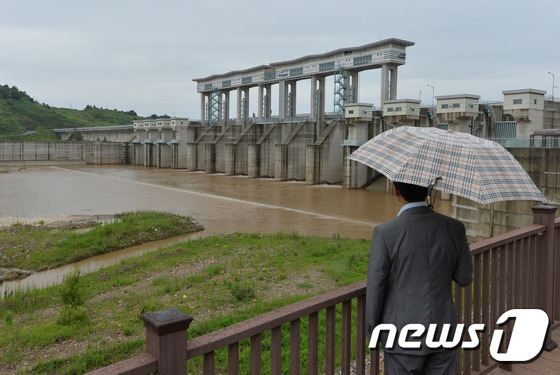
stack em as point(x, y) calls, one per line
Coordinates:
point(411, 193)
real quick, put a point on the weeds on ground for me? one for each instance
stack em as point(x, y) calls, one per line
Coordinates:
point(218, 280)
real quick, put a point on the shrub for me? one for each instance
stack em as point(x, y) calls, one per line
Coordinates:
point(9, 319)
point(73, 315)
point(71, 293)
point(73, 312)
point(241, 292)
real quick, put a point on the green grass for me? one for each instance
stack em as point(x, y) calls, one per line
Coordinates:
point(94, 357)
point(40, 247)
point(218, 280)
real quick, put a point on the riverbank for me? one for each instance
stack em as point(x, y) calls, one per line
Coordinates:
point(218, 280)
point(25, 248)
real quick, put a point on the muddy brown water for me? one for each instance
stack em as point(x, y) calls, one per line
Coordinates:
point(222, 204)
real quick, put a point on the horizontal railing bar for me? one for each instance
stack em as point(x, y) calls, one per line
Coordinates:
point(253, 326)
point(502, 239)
point(142, 364)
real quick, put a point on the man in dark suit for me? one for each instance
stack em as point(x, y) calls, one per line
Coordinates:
point(413, 259)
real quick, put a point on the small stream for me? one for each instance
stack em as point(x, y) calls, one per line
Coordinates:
point(56, 275)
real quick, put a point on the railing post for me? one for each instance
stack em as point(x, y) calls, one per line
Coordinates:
point(544, 215)
point(166, 340)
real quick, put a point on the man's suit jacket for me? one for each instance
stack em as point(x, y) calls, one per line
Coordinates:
point(413, 259)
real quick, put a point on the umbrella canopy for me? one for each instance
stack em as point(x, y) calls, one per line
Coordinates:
point(471, 167)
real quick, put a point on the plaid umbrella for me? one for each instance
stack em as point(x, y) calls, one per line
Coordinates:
point(471, 167)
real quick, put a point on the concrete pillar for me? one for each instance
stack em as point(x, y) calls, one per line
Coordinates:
point(202, 108)
point(253, 160)
point(281, 162)
point(261, 102)
point(246, 104)
point(313, 99)
point(239, 105)
point(354, 88)
point(174, 155)
point(163, 155)
point(268, 102)
point(321, 100)
point(220, 108)
point(388, 82)
point(312, 164)
point(384, 83)
point(283, 97)
point(208, 109)
point(225, 114)
point(230, 159)
point(317, 108)
point(210, 160)
point(192, 157)
point(137, 153)
point(264, 101)
point(148, 153)
point(351, 176)
point(293, 96)
point(354, 174)
point(393, 83)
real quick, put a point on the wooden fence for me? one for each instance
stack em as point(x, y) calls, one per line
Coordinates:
point(514, 270)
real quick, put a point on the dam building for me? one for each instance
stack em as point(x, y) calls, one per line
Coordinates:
point(344, 64)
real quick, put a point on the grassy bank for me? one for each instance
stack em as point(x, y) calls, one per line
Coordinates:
point(39, 247)
point(218, 280)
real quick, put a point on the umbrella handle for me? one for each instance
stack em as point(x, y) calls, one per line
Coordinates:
point(429, 194)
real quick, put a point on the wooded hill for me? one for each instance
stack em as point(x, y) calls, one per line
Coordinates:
point(23, 118)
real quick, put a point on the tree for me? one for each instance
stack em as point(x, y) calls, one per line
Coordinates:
point(76, 136)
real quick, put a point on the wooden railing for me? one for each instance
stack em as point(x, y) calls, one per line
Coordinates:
point(513, 270)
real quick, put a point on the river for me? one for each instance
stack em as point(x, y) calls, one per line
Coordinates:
point(222, 204)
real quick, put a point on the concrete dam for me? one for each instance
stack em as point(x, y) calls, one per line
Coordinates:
point(294, 151)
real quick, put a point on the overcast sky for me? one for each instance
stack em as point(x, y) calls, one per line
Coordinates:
point(143, 55)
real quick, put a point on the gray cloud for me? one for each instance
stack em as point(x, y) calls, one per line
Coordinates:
point(143, 55)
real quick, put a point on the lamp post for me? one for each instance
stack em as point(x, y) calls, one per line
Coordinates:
point(552, 74)
point(433, 93)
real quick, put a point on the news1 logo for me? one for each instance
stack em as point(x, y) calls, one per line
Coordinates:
point(525, 343)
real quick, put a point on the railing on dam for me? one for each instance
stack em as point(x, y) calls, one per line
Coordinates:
point(514, 270)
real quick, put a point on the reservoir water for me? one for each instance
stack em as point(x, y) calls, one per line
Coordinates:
point(222, 204)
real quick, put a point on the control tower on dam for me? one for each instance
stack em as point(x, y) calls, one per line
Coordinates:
point(344, 64)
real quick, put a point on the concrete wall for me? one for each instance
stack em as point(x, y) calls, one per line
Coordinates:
point(119, 133)
point(149, 154)
point(483, 221)
point(184, 135)
point(41, 151)
point(137, 151)
point(196, 151)
point(29, 152)
point(216, 150)
point(163, 155)
point(289, 156)
point(236, 153)
point(261, 156)
point(107, 153)
point(324, 158)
